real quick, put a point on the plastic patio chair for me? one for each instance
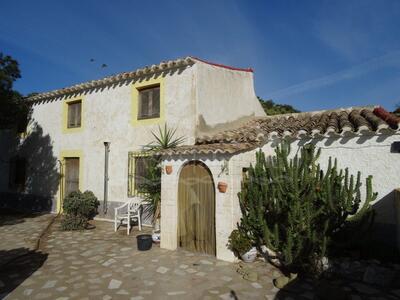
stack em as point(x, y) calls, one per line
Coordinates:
point(132, 211)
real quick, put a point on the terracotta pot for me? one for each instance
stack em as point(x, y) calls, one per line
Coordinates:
point(168, 169)
point(222, 186)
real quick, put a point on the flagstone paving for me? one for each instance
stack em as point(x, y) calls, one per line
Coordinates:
point(102, 264)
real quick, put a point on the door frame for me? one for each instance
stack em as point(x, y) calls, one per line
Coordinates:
point(63, 155)
point(198, 162)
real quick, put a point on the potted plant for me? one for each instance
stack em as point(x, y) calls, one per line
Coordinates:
point(242, 246)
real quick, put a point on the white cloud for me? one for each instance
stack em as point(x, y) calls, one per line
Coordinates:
point(391, 59)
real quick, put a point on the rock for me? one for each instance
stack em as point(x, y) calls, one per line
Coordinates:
point(268, 251)
point(276, 273)
point(247, 273)
point(276, 262)
point(325, 263)
point(292, 276)
point(281, 281)
point(378, 275)
point(250, 276)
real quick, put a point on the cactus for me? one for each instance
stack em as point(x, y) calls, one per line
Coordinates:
point(295, 208)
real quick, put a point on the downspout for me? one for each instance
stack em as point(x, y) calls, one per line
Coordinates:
point(106, 152)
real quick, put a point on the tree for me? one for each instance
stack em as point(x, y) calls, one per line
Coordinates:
point(14, 110)
point(296, 209)
point(272, 108)
point(397, 110)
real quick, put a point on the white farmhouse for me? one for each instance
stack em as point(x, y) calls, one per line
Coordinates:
point(89, 137)
point(74, 132)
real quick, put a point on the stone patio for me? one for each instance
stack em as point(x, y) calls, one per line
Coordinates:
point(102, 264)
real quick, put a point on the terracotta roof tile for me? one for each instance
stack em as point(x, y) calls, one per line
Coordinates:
point(257, 131)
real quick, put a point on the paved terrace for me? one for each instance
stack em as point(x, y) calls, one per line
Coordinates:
point(101, 264)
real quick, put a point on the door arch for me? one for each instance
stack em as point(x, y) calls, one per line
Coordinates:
point(196, 209)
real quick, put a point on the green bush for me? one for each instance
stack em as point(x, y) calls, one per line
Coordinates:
point(79, 208)
point(296, 209)
point(239, 243)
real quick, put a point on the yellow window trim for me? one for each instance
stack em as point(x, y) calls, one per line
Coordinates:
point(135, 102)
point(63, 155)
point(64, 125)
point(132, 192)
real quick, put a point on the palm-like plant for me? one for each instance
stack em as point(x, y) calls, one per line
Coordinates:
point(151, 188)
point(164, 139)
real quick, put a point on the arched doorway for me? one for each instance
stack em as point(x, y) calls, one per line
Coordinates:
point(196, 209)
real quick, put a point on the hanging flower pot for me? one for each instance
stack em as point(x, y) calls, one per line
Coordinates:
point(168, 169)
point(222, 186)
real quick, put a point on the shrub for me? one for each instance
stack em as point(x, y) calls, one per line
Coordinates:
point(295, 208)
point(239, 243)
point(79, 208)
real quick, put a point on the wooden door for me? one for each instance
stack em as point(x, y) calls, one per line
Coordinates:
point(71, 175)
point(196, 209)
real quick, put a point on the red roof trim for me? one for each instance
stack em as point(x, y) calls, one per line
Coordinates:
point(388, 117)
point(223, 66)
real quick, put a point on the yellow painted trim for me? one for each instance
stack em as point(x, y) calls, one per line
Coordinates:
point(132, 156)
point(135, 102)
point(63, 155)
point(64, 124)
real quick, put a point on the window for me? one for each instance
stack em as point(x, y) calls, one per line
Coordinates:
point(137, 171)
point(149, 103)
point(17, 176)
point(74, 114)
point(71, 175)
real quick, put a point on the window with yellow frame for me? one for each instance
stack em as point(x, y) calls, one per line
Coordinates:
point(138, 163)
point(148, 102)
point(72, 115)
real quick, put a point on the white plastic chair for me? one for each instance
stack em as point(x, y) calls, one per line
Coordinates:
point(132, 211)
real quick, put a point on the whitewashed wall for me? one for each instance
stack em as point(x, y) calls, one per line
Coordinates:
point(370, 155)
point(223, 204)
point(218, 94)
point(107, 116)
point(224, 98)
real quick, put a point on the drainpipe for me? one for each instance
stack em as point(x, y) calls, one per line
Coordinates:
point(106, 151)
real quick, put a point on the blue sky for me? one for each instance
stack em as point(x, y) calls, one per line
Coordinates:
point(310, 54)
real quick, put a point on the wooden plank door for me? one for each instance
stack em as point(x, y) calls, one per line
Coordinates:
point(71, 175)
point(196, 209)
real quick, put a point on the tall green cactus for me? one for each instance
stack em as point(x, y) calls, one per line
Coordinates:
point(294, 207)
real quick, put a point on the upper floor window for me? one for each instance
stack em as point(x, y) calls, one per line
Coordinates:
point(74, 114)
point(149, 103)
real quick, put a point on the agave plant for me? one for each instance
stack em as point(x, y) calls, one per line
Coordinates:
point(151, 188)
point(164, 139)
